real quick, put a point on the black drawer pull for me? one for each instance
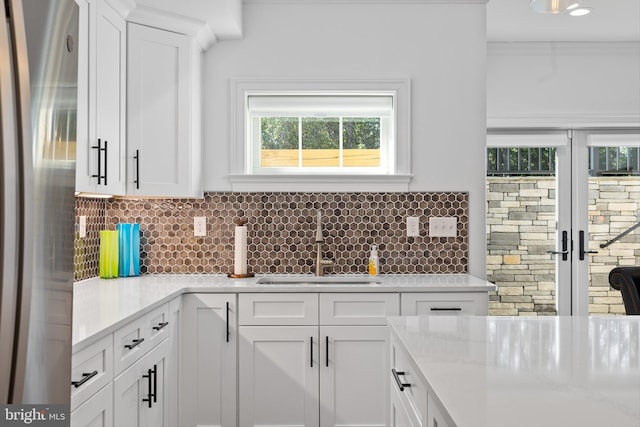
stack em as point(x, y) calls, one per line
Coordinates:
point(446, 309)
point(311, 351)
point(134, 343)
point(326, 350)
point(396, 376)
point(150, 393)
point(160, 326)
point(85, 377)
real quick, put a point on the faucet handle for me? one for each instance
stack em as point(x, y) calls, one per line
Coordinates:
point(324, 263)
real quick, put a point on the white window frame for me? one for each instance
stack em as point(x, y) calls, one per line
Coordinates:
point(394, 175)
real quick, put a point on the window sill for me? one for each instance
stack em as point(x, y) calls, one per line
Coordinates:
point(317, 183)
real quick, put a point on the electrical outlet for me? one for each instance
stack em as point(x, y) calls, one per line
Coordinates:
point(443, 226)
point(200, 226)
point(413, 226)
point(82, 226)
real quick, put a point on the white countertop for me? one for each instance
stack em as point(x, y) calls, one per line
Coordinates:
point(529, 372)
point(100, 305)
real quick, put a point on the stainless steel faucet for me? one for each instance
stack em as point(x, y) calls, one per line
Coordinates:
point(321, 263)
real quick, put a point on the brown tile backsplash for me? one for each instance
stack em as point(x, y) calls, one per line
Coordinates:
point(281, 231)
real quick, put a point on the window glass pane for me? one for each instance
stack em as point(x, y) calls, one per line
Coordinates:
point(361, 141)
point(320, 142)
point(279, 142)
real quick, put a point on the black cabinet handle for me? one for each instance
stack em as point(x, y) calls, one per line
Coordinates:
point(105, 162)
point(149, 397)
point(228, 333)
point(134, 343)
point(311, 352)
point(446, 309)
point(85, 377)
point(155, 383)
point(101, 149)
point(582, 246)
point(396, 376)
point(160, 326)
point(326, 350)
point(137, 180)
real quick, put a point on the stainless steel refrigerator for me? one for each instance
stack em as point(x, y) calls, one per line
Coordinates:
point(38, 99)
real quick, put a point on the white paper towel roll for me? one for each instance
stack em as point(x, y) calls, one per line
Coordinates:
point(240, 264)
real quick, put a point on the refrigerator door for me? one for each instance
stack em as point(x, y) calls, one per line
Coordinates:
point(9, 209)
point(38, 103)
point(15, 201)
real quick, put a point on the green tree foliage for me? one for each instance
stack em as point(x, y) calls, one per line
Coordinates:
point(320, 133)
point(279, 133)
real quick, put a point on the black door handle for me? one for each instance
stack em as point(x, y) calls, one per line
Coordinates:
point(565, 247)
point(137, 180)
point(311, 352)
point(582, 246)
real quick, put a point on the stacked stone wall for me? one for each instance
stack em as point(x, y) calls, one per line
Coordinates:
point(521, 222)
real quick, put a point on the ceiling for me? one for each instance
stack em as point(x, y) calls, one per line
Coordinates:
point(609, 21)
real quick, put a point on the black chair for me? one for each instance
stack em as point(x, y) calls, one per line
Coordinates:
point(627, 281)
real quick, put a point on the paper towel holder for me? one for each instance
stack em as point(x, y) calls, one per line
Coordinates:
point(240, 222)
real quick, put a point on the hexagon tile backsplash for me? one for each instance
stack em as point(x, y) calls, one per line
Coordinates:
point(281, 231)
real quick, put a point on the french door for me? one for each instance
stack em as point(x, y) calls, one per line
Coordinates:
point(562, 207)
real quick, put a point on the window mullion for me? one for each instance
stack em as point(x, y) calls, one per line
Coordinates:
point(340, 143)
point(300, 141)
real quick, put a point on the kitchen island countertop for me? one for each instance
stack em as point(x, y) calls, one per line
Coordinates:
point(528, 372)
point(102, 305)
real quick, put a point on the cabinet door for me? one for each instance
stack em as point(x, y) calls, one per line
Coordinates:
point(97, 411)
point(354, 380)
point(110, 74)
point(129, 388)
point(163, 119)
point(156, 363)
point(208, 380)
point(278, 371)
point(100, 152)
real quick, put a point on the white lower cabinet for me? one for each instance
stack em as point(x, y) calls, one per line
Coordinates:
point(97, 411)
point(208, 359)
point(279, 375)
point(312, 374)
point(399, 414)
point(140, 392)
point(354, 382)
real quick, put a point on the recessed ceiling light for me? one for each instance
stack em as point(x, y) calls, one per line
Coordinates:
point(572, 6)
point(580, 11)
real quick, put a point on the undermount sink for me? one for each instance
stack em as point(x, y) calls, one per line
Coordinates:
point(315, 280)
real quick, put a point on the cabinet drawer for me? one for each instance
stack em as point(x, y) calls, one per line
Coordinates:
point(278, 309)
point(94, 365)
point(403, 371)
point(450, 303)
point(157, 325)
point(97, 411)
point(130, 343)
point(358, 308)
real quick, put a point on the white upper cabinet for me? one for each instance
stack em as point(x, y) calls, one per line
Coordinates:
point(164, 137)
point(101, 99)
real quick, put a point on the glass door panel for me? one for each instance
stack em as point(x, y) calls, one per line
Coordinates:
point(528, 215)
point(613, 217)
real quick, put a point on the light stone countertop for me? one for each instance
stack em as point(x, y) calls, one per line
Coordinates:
point(528, 372)
point(100, 306)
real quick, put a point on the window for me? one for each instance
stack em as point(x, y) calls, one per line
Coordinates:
point(320, 135)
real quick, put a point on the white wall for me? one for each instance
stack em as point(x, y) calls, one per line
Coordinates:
point(441, 48)
point(563, 84)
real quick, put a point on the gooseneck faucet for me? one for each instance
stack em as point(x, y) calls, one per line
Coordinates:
point(321, 263)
